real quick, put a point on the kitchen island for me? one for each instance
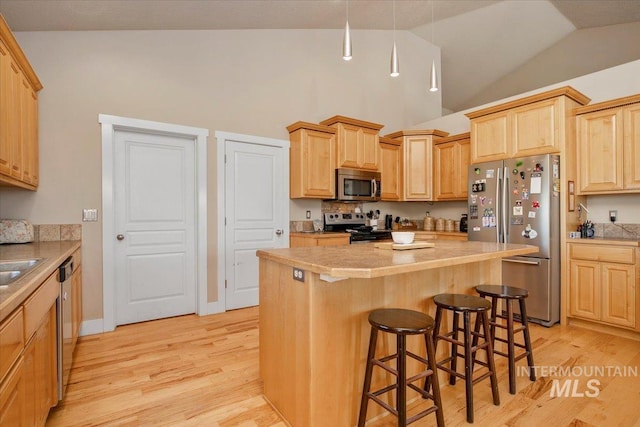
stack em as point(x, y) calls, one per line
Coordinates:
point(314, 331)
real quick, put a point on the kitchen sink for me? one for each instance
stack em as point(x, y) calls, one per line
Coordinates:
point(13, 269)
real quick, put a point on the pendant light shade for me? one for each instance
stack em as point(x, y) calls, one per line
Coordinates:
point(433, 78)
point(395, 64)
point(346, 41)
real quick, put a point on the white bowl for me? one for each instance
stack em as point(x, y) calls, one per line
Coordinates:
point(402, 237)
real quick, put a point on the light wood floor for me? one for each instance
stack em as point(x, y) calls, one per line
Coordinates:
point(203, 371)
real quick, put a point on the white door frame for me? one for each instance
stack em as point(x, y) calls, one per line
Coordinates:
point(110, 124)
point(221, 137)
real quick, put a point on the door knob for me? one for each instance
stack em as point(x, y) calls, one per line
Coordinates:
point(120, 237)
point(279, 232)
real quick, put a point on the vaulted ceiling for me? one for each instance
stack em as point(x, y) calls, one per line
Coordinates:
point(481, 41)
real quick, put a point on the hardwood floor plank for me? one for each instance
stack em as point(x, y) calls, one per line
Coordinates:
point(203, 371)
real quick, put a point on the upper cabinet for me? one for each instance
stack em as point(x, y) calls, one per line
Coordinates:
point(391, 170)
point(19, 86)
point(609, 146)
point(356, 142)
point(524, 127)
point(451, 157)
point(312, 164)
point(417, 162)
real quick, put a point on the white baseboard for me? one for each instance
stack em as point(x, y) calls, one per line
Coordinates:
point(91, 327)
point(213, 308)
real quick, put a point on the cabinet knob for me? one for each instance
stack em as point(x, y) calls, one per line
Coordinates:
point(279, 232)
point(120, 237)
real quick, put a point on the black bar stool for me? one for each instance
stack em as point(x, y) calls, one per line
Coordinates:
point(401, 322)
point(509, 294)
point(466, 304)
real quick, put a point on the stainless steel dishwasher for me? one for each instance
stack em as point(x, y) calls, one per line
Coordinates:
point(65, 325)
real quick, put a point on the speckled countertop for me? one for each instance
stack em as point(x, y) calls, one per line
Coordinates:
point(366, 261)
point(52, 254)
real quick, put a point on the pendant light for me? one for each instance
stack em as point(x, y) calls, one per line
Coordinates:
point(433, 77)
point(346, 42)
point(395, 64)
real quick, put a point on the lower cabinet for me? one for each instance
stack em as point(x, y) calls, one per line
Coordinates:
point(29, 389)
point(603, 284)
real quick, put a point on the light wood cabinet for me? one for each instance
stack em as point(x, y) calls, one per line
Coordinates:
point(391, 170)
point(18, 114)
point(603, 284)
point(28, 340)
point(312, 161)
point(417, 162)
point(528, 126)
point(451, 159)
point(300, 240)
point(356, 142)
point(12, 398)
point(609, 146)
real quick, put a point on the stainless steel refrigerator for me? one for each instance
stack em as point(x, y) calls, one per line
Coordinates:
point(518, 201)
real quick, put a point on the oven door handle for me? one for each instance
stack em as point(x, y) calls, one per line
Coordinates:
point(519, 261)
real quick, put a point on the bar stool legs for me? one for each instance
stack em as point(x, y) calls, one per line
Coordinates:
point(401, 323)
point(508, 294)
point(466, 305)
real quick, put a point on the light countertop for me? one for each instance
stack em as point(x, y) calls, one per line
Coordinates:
point(366, 261)
point(52, 254)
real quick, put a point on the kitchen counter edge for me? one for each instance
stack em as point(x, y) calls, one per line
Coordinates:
point(606, 241)
point(366, 261)
point(52, 254)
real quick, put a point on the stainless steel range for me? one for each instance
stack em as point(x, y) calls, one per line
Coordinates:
point(355, 225)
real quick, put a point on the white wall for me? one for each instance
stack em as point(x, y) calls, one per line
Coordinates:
point(252, 82)
point(616, 82)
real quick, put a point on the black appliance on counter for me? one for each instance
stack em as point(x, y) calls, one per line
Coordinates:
point(354, 224)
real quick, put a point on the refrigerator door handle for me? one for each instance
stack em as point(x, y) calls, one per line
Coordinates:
point(519, 261)
point(498, 213)
point(505, 205)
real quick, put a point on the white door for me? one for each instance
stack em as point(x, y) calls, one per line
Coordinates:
point(256, 212)
point(155, 211)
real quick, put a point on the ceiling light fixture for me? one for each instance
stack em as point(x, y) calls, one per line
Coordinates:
point(395, 64)
point(433, 77)
point(346, 42)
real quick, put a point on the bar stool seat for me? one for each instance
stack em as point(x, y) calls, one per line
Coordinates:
point(401, 323)
point(466, 305)
point(509, 294)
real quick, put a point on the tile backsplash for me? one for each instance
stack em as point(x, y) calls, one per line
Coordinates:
point(616, 231)
point(56, 232)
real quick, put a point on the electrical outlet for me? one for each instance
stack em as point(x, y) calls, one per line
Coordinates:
point(89, 215)
point(308, 214)
point(298, 274)
point(613, 215)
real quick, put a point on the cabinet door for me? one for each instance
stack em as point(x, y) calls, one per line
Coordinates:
point(5, 106)
point(600, 151)
point(535, 128)
point(464, 160)
point(40, 371)
point(370, 157)
point(333, 241)
point(445, 181)
point(12, 398)
point(312, 164)
point(418, 151)
point(618, 294)
point(489, 137)
point(391, 171)
point(584, 289)
point(28, 131)
point(15, 123)
point(348, 137)
point(632, 147)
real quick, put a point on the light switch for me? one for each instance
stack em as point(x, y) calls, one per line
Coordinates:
point(89, 215)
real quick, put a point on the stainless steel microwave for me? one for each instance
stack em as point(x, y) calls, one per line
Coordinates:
point(357, 185)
